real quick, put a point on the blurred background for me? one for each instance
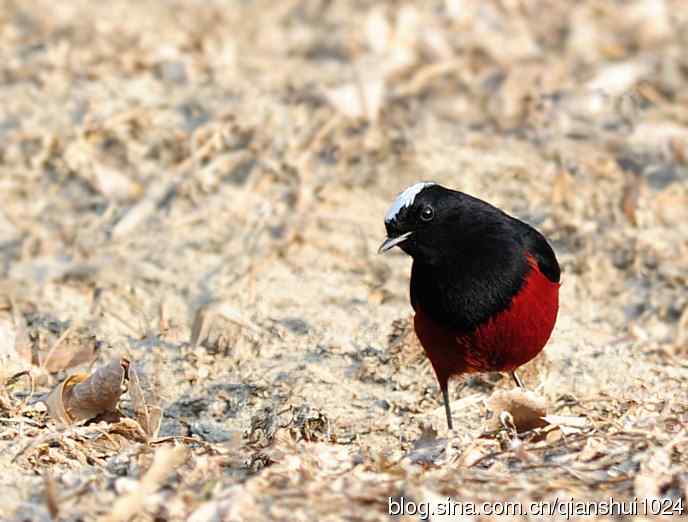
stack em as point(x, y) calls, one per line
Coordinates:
point(199, 186)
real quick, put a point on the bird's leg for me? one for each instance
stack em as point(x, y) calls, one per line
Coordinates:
point(447, 409)
point(517, 380)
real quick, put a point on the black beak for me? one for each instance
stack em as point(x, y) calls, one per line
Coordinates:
point(391, 242)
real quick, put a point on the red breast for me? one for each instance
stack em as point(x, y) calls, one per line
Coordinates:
point(503, 343)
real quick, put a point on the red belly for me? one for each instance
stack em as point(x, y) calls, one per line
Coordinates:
point(503, 343)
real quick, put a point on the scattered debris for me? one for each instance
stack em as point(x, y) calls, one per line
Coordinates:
point(205, 194)
point(145, 400)
point(524, 409)
point(82, 397)
point(165, 462)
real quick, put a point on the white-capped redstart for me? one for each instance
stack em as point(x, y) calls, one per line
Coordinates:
point(484, 285)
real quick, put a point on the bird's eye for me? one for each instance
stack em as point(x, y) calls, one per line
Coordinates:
point(427, 214)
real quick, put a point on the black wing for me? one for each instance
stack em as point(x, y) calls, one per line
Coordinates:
point(536, 244)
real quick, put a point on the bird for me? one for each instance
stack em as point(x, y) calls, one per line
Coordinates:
point(484, 285)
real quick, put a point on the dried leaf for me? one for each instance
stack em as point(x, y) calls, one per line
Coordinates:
point(57, 398)
point(525, 407)
point(129, 429)
point(81, 397)
point(145, 400)
point(567, 420)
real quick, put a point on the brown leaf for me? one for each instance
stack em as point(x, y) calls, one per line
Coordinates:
point(525, 408)
point(57, 398)
point(81, 397)
point(129, 429)
point(145, 400)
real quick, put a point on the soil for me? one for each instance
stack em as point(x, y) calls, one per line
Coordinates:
point(196, 190)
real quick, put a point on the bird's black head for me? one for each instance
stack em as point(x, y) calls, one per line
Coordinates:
point(469, 258)
point(432, 223)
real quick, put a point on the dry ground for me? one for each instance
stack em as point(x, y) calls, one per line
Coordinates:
point(164, 157)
